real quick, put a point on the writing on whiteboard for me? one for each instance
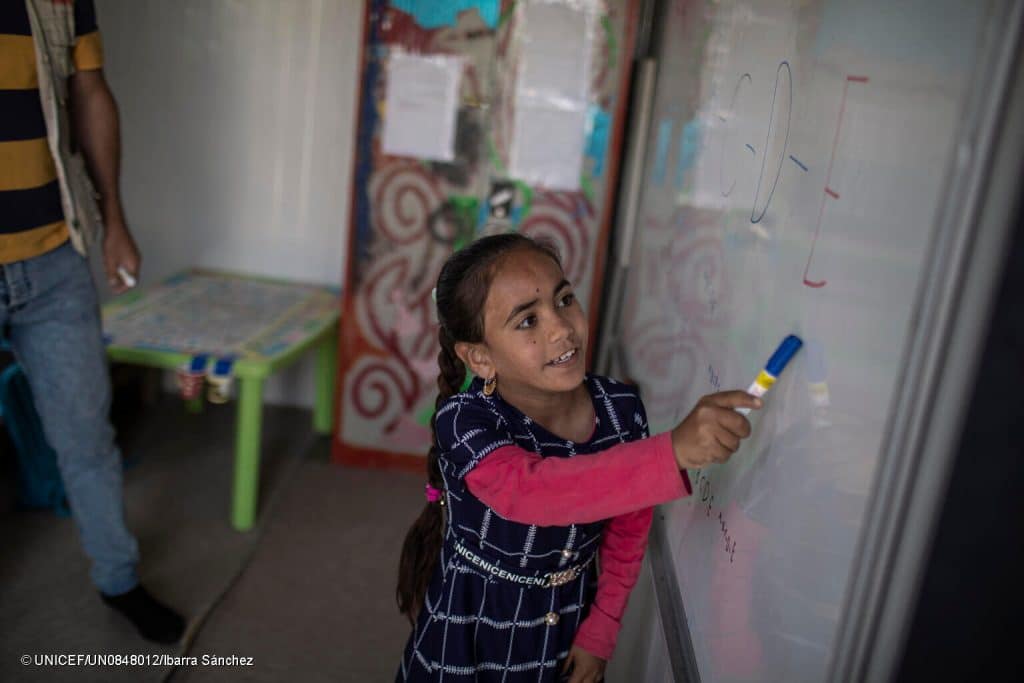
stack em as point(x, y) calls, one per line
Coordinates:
point(709, 292)
point(829, 191)
point(713, 379)
point(778, 127)
point(779, 121)
point(707, 500)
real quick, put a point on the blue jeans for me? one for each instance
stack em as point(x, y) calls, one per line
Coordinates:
point(49, 306)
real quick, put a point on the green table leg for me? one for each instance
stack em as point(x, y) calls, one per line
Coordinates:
point(247, 452)
point(194, 405)
point(326, 375)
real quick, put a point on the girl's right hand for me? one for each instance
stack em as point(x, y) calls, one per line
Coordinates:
point(713, 429)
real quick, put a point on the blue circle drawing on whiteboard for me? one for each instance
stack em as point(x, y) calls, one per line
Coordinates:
point(755, 217)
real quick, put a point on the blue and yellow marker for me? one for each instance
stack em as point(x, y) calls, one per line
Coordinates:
point(767, 377)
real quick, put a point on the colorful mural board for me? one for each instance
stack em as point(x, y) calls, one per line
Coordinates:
point(408, 214)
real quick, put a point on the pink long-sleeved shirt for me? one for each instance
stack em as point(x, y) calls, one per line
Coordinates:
point(620, 484)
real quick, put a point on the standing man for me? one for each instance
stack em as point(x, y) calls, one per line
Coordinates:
point(57, 118)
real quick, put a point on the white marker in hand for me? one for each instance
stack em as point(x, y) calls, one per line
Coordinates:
point(127, 278)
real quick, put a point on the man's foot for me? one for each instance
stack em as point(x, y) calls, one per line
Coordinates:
point(154, 620)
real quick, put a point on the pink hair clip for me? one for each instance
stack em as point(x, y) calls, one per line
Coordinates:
point(433, 495)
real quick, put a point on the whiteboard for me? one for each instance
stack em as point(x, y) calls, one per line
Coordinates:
point(794, 170)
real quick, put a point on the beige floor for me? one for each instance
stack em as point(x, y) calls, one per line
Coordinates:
point(308, 594)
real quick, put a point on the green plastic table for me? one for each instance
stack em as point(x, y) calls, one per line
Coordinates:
point(264, 325)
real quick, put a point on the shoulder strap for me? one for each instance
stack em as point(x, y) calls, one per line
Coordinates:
point(53, 27)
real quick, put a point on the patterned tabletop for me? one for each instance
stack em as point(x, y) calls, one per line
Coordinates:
point(221, 314)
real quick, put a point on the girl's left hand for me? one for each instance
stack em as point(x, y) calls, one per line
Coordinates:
point(583, 667)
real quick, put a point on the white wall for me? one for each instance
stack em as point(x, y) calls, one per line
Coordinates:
point(238, 127)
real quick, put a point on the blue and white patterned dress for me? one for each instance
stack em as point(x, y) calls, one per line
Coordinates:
point(476, 626)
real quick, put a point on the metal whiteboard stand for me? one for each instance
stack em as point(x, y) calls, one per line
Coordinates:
point(634, 173)
point(670, 604)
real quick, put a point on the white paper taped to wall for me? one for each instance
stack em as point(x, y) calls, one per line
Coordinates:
point(556, 52)
point(421, 105)
point(552, 92)
point(548, 146)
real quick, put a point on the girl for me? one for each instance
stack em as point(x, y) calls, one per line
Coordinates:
point(539, 472)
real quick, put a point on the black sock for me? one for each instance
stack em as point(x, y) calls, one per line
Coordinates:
point(153, 620)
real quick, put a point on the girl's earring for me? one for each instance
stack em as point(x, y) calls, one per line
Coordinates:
point(490, 385)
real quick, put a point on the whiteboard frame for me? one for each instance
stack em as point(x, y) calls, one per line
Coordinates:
point(952, 310)
point(670, 603)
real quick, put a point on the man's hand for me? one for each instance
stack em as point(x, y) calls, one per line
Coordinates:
point(583, 667)
point(119, 250)
point(98, 133)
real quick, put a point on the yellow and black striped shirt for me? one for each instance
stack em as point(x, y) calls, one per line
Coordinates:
point(31, 217)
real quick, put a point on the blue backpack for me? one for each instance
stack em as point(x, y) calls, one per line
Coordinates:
point(39, 481)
